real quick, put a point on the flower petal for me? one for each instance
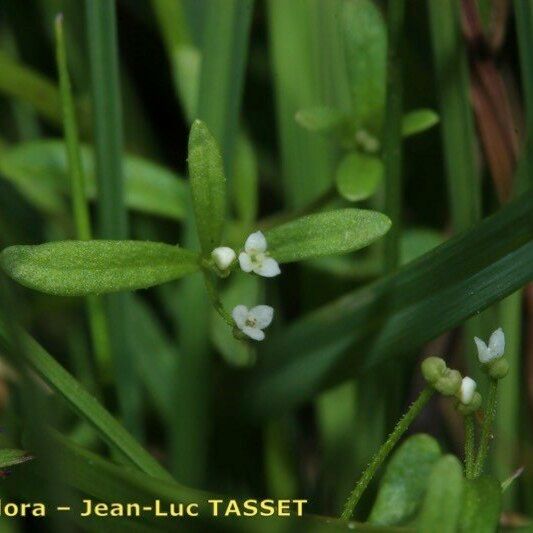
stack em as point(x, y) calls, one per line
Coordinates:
point(254, 333)
point(482, 351)
point(497, 344)
point(223, 256)
point(256, 242)
point(268, 268)
point(240, 314)
point(245, 262)
point(262, 314)
point(468, 387)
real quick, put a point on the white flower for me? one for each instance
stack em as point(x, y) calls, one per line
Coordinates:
point(256, 258)
point(495, 349)
point(223, 257)
point(468, 388)
point(252, 321)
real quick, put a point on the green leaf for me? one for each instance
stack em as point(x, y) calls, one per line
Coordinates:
point(365, 43)
point(442, 504)
point(482, 502)
point(80, 268)
point(245, 182)
point(396, 315)
point(331, 232)
point(13, 457)
point(404, 483)
point(27, 85)
point(416, 242)
point(320, 119)
point(208, 186)
point(418, 121)
point(156, 355)
point(358, 176)
point(39, 170)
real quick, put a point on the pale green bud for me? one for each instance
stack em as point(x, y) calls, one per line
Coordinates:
point(497, 368)
point(472, 407)
point(433, 368)
point(449, 383)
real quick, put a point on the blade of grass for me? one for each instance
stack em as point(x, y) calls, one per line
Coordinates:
point(392, 141)
point(399, 313)
point(458, 132)
point(524, 29)
point(82, 402)
point(112, 215)
point(95, 309)
point(306, 157)
point(225, 40)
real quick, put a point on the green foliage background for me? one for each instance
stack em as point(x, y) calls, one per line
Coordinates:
point(143, 395)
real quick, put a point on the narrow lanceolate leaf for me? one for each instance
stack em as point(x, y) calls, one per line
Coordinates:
point(81, 268)
point(442, 505)
point(331, 232)
point(482, 500)
point(418, 121)
point(208, 186)
point(404, 483)
point(39, 170)
point(365, 44)
point(13, 457)
point(358, 176)
point(320, 119)
point(423, 300)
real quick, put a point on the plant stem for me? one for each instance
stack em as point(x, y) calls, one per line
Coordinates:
point(80, 209)
point(386, 448)
point(215, 299)
point(486, 429)
point(469, 446)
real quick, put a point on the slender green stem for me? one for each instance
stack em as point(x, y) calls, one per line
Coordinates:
point(484, 443)
point(80, 209)
point(215, 299)
point(469, 446)
point(386, 448)
point(392, 140)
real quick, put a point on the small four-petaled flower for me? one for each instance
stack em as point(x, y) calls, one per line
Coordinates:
point(253, 321)
point(495, 348)
point(256, 258)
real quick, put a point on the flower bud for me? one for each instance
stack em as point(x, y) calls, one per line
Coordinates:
point(449, 383)
point(223, 257)
point(497, 368)
point(433, 368)
point(472, 407)
point(467, 390)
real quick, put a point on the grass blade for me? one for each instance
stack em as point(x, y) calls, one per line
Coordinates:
point(112, 216)
point(225, 38)
point(458, 135)
point(95, 309)
point(83, 403)
point(392, 140)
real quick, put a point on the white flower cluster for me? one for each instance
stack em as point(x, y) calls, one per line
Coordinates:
point(254, 258)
